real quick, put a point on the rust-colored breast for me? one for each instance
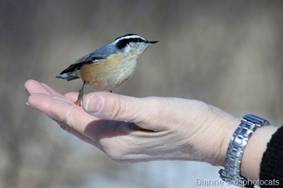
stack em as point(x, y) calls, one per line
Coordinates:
point(101, 75)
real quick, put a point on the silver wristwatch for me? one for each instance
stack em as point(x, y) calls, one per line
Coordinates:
point(232, 165)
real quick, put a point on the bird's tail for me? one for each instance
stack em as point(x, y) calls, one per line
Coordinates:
point(68, 76)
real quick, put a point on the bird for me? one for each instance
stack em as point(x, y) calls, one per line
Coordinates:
point(107, 67)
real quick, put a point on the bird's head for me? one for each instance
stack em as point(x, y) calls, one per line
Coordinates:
point(132, 43)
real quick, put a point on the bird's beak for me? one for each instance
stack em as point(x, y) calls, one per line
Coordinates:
point(152, 42)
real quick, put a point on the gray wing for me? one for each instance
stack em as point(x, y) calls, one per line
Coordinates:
point(93, 57)
point(101, 53)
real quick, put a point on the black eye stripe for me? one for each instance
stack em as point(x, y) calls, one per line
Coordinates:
point(122, 43)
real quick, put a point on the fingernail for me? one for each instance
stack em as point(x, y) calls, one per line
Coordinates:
point(94, 104)
point(27, 103)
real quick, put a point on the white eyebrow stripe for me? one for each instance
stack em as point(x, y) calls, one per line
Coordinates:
point(129, 37)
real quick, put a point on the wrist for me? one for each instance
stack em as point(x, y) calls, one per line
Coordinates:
point(250, 166)
point(229, 127)
point(231, 172)
point(220, 127)
point(253, 131)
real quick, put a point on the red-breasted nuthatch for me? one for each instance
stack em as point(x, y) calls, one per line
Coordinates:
point(109, 66)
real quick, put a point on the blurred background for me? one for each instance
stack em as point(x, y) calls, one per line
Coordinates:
point(226, 53)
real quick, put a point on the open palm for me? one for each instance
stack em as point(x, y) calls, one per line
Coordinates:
point(74, 118)
point(137, 129)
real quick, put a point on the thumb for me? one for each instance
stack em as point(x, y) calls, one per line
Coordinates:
point(116, 107)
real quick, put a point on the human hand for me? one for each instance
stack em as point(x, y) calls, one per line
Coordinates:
point(137, 129)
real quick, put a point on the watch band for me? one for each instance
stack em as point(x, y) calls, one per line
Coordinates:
point(232, 165)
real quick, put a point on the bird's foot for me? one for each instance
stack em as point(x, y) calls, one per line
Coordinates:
point(79, 101)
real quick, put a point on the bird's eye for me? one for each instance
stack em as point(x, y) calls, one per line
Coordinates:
point(122, 44)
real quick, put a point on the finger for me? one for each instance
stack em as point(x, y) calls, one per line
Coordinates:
point(33, 86)
point(72, 96)
point(50, 90)
point(122, 108)
point(62, 110)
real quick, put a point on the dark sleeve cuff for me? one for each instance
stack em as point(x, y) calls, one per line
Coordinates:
point(271, 167)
